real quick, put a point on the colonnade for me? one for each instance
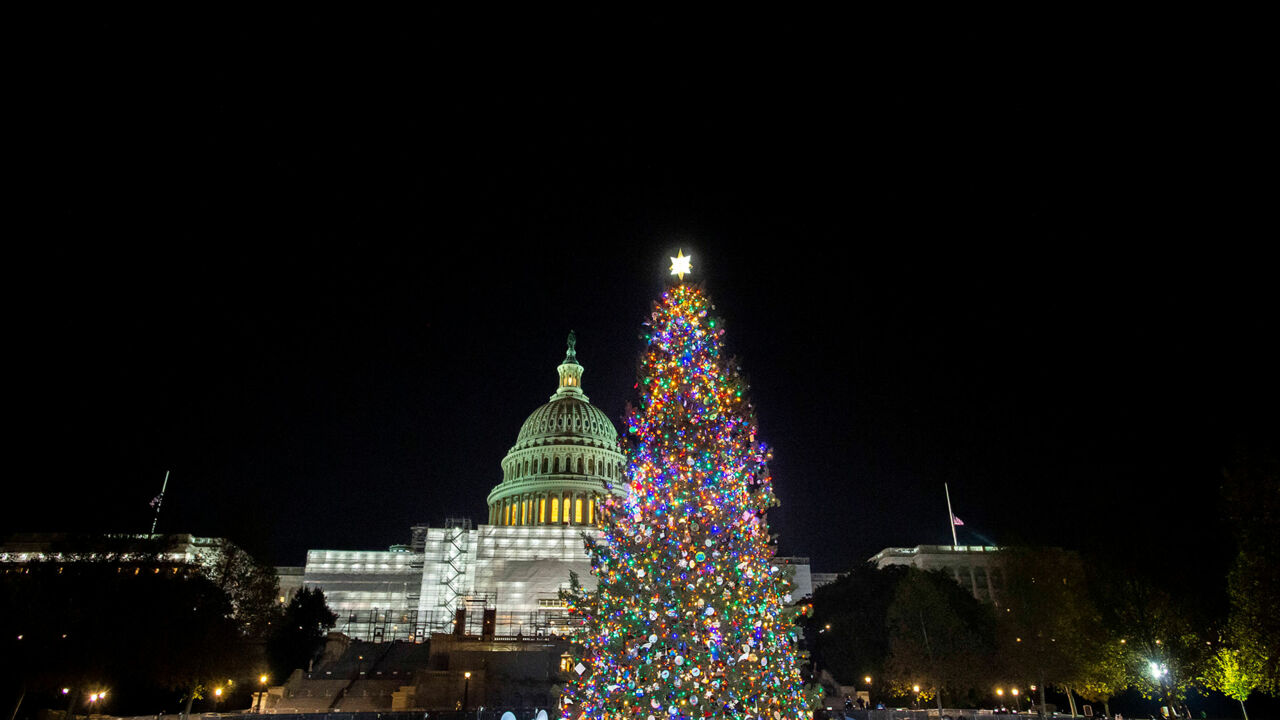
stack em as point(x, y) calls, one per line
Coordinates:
point(541, 508)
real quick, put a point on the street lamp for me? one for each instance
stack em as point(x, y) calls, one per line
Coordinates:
point(217, 695)
point(1159, 671)
point(262, 691)
point(94, 698)
point(466, 688)
point(916, 689)
point(1017, 701)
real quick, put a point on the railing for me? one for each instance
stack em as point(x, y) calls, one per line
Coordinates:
point(474, 714)
point(902, 714)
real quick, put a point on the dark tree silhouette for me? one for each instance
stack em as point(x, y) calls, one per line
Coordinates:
point(300, 633)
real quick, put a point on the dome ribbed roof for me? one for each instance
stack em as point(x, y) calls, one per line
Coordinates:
point(568, 420)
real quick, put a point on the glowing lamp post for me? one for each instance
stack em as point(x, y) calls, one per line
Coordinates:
point(466, 689)
point(94, 698)
point(1160, 672)
point(262, 691)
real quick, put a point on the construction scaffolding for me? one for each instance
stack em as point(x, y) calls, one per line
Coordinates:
point(486, 623)
point(457, 532)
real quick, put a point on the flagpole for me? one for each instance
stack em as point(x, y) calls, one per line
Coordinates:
point(160, 501)
point(951, 517)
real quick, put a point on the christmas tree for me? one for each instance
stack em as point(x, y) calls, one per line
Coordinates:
point(690, 617)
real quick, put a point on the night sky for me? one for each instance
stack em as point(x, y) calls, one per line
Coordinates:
point(323, 270)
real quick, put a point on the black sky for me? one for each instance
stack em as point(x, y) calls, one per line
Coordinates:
point(322, 270)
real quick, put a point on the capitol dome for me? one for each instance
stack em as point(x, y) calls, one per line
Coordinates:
point(564, 461)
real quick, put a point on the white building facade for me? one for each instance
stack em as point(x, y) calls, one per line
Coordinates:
point(977, 568)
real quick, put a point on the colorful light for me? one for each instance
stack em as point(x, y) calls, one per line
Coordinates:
point(690, 614)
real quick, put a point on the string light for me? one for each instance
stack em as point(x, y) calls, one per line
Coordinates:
point(690, 617)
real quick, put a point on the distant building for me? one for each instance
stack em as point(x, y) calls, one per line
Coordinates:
point(977, 568)
point(175, 549)
point(817, 580)
point(564, 464)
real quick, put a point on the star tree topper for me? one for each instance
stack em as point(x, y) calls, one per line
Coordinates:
point(680, 264)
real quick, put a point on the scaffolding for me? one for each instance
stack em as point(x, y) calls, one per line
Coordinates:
point(457, 533)
point(481, 622)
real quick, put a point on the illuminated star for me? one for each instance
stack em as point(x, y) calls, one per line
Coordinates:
point(680, 264)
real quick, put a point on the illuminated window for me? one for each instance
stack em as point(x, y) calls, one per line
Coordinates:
point(555, 510)
point(591, 512)
point(565, 513)
point(542, 510)
point(577, 510)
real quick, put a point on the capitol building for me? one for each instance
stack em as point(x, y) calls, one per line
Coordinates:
point(501, 578)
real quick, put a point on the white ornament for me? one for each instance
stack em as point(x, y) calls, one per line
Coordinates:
point(580, 668)
point(653, 638)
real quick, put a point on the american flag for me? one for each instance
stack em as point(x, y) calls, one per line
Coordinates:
point(957, 520)
point(155, 501)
